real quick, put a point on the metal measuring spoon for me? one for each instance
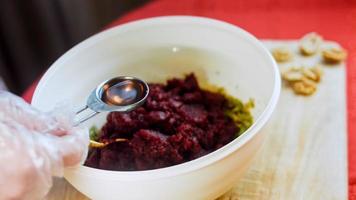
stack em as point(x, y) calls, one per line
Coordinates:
point(120, 94)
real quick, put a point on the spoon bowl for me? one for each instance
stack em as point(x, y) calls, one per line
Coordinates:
point(120, 94)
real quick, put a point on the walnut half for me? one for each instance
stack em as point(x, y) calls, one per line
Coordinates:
point(310, 43)
point(292, 74)
point(304, 87)
point(313, 73)
point(282, 54)
point(334, 55)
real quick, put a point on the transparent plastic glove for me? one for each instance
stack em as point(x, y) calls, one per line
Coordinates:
point(34, 146)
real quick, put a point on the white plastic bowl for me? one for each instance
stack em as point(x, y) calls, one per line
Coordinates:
point(154, 50)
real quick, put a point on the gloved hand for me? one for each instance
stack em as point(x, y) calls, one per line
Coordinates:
point(34, 146)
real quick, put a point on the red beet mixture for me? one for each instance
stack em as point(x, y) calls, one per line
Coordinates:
point(178, 123)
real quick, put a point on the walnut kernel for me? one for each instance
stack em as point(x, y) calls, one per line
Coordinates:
point(282, 54)
point(313, 73)
point(305, 87)
point(310, 43)
point(292, 74)
point(334, 55)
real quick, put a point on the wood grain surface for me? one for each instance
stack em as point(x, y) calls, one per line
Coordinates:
point(304, 155)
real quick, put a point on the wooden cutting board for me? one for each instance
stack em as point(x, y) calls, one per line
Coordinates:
point(304, 156)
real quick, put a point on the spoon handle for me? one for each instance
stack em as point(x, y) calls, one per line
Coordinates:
point(81, 109)
point(91, 114)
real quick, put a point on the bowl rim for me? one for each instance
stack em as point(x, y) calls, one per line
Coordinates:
point(192, 165)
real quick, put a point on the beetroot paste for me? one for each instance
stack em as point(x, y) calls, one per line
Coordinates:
point(178, 123)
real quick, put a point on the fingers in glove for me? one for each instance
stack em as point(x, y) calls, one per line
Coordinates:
point(25, 168)
point(74, 146)
point(30, 159)
point(57, 122)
